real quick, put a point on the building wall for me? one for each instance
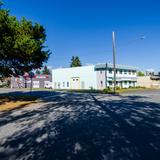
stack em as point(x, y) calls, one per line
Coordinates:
point(74, 78)
point(17, 82)
point(147, 82)
point(125, 78)
point(101, 80)
point(87, 77)
point(40, 81)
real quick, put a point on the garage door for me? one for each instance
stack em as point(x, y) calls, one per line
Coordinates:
point(35, 84)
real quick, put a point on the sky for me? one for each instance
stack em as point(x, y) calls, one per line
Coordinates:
point(84, 28)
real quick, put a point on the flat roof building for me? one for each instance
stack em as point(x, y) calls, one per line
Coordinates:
point(39, 81)
point(74, 78)
point(97, 76)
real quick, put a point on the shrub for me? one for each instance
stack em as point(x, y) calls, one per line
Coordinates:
point(118, 88)
point(107, 90)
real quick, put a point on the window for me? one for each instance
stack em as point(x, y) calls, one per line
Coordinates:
point(125, 72)
point(120, 71)
point(134, 84)
point(59, 84)
point(63, 84)
point(101, 83)
point(125, 82)
point(129, 72)
point(110, 71)
point(67, 84)
point(110, 83)
point(100, 72)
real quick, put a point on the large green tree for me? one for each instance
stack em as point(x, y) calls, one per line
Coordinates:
point(21, 45)
point(75, 62)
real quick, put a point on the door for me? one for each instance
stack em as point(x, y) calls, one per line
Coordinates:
point(75, 83)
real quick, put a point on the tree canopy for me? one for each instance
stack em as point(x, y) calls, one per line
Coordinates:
point(75, 62)
point(21, 45)
point(140, 74)
point(46, 71)
point(38, 71)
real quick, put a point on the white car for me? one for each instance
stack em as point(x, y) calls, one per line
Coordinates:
point(47, 84)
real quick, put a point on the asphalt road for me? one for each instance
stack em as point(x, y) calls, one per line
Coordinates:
point(68, 126)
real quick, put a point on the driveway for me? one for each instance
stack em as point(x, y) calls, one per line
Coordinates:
point(72, 126)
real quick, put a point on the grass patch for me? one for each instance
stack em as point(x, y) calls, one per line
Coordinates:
point(132, 89)
point(105, 91)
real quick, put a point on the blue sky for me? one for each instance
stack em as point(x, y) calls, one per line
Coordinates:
point(84, 28)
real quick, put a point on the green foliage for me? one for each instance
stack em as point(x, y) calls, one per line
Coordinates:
point(38, 71)
point(140, 74)
point(118, 88)
point(107, 90)
point(46, 71)
point(75, 62)
point(21, 45)
point(137, 87)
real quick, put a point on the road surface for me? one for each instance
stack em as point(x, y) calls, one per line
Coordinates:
point(73, 126)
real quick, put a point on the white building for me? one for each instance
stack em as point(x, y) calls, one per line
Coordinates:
point(94, 76)
point(75, 78)
point(126, 76)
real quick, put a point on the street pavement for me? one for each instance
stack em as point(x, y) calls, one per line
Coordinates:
point(76, 126)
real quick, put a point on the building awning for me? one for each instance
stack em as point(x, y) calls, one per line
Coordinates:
point(110, 66)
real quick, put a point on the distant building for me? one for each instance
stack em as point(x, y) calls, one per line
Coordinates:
point(95, 76)
point(149, 81)
point(39, 81)
point(149, 72)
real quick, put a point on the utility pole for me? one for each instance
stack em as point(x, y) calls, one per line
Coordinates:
point(114, 60)
point(106, 76)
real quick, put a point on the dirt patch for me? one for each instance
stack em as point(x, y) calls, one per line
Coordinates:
point(12, 102)
point(14, 105)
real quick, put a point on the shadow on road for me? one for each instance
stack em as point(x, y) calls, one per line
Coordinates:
point(83, 127)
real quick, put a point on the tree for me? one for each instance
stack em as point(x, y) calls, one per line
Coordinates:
point(75, 62)
point(38, 71)
point(140, 74)
point(21, 45)
point(46, 71)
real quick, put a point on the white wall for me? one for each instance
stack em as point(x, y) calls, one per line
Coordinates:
point(86, 74)
point(146, 81)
